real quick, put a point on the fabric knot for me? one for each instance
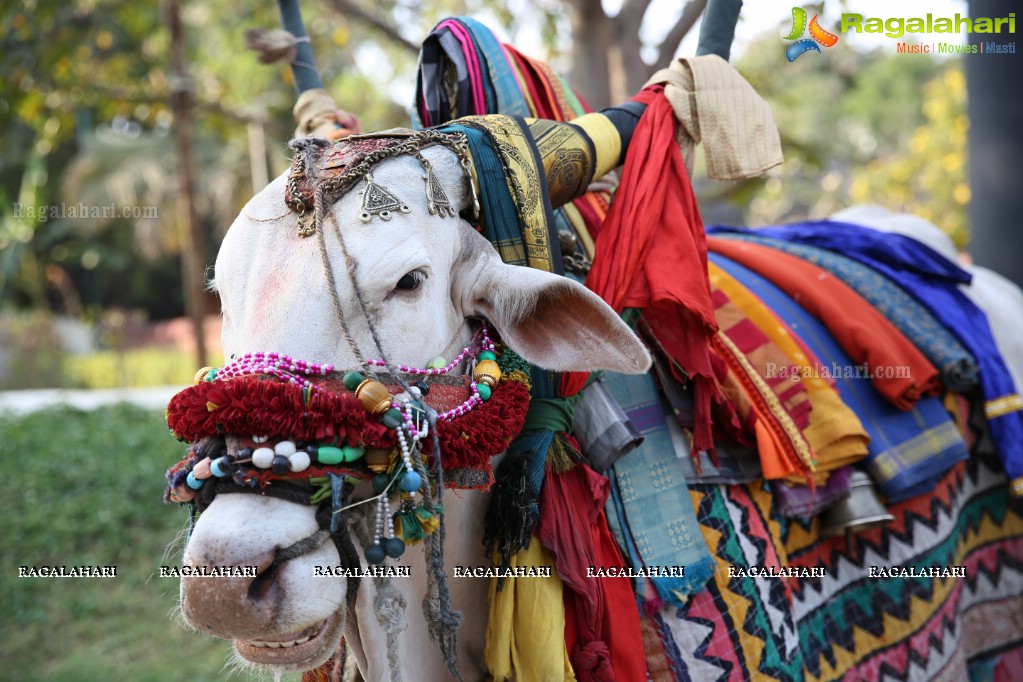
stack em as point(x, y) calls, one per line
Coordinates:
point(390, 605)
point(593, 661)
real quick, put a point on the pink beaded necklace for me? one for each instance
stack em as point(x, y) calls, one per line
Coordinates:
point(295, 371)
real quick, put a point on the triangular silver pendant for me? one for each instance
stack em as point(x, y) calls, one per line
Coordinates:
point(436, 200)
point(377, 200)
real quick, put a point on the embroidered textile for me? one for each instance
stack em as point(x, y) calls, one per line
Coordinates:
point(864, 333)
point(932, 280)
point(958, 368)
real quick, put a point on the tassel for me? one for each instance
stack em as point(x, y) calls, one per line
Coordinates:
point(514, 507)
point(417, 524)
point(559, 457)
point(337, 486)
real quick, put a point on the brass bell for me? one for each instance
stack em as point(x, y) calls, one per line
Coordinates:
point(861, 510)
point(378, 459)
point(201, 375)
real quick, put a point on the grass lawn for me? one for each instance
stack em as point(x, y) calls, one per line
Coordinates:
point(84, 488)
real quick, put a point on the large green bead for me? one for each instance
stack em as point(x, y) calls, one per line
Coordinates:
point(328, 454)
point(392, 418)
point(488, 355)
point(437, 363)
point(352, 380)
point(483, 390)
point(350, 453)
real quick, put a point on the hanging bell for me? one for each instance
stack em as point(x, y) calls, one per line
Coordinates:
point(861, 510)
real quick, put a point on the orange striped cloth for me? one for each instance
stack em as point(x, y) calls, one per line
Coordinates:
point(784, 452)
point(769, 361)
point(835, 434)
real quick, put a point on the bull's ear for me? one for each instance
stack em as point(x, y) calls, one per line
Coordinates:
point(555, 322)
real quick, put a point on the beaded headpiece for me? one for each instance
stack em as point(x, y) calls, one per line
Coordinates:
point(318, 427)
point(330, 170)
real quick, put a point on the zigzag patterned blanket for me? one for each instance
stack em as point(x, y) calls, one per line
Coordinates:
point(848, 625)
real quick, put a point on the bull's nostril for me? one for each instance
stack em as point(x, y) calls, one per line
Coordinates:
point(263, 583)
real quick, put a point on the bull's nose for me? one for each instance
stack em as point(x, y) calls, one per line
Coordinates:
point(231, 607)
point(282, 542)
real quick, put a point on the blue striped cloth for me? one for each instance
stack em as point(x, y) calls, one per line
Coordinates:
point(933, 281)
point(959, 371)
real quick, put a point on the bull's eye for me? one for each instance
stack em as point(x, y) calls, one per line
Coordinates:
point(410, 281)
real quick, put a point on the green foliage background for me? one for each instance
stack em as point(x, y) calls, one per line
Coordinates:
point(84, 488)
point(874, 127)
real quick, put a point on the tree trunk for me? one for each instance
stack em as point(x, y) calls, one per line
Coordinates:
point(591, 45)
point(628, 70)
point(193, 256)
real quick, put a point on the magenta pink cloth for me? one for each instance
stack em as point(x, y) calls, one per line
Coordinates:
point(472, 62)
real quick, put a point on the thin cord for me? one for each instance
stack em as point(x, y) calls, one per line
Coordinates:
point(329, 271)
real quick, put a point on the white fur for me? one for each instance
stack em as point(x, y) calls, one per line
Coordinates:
point(275, 298)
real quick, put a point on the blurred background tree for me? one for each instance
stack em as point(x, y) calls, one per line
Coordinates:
point(86, 119)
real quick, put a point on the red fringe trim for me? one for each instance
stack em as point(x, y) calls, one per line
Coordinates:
point(256, 406)
point(471, 440)
point(253, 406)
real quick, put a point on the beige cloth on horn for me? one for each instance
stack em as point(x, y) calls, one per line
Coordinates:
point(718, 107)
point(318, 116)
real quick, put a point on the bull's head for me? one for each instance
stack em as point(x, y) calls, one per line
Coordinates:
point(422, 278)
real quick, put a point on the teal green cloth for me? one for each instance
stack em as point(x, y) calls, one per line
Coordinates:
point(649, 509)
point(501, 221)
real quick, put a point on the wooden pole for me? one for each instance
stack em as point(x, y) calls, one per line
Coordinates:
point(718, 29)
point(303, 69)
point(193, 254)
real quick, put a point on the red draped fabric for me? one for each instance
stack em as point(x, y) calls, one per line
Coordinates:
point(651, 254)
point(602, 630)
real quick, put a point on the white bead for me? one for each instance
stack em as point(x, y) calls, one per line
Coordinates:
point(263, 458)
point(414, 390)
point(285, 447)
point(299, 461)
point(260, 439)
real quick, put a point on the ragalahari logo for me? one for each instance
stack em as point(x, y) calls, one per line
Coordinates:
point(817, 35)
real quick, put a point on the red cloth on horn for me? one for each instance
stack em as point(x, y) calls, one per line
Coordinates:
point(651, 254)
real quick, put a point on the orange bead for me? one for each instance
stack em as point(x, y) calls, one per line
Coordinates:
point(374, 397)
point(487, 372)
point(182, 493)
point(202, 469)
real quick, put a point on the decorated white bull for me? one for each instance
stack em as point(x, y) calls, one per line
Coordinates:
point(381, 353)
point(426, 281)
